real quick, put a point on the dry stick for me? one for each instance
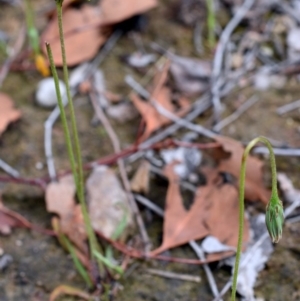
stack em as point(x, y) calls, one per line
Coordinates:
point(117, 148)
point(292, 152)
point(8, 169)
point(197, 249)
point(49, 123)
point(218, 59)
point(289, 107)
point(197, 37)
point(243, 108)
point(172, 275)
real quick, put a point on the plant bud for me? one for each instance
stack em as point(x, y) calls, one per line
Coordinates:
point(274, 218)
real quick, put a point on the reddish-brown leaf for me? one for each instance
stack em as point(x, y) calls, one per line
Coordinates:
point(60, 200)
point(222, 218)
point(83, 37)
point(255, 189)
point(180, 225)
point(214, 212)
point(8, 113)
point(162, 95)
point(114, 11)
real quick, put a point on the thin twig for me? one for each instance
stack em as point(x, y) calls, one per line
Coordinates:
point(172, 275)
point(234, 116)
point(288, 107)
point(117, 148)
point(218, 59)
point(197, 249)
point(197, 37)
point(291, 152)
point(8, 169)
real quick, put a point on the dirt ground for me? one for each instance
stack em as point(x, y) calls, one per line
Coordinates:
point(40, 264)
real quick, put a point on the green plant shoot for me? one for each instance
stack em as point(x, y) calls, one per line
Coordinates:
point(211, 23)
point(74, 155)
point(274, 210)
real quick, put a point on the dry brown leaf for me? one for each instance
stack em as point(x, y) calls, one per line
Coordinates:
point(222, 218)
point(8, 113)
point(214, 212)
point(162, 95)
point(180, 225)
point(254, 188)
point(140, 180)
point(108, 203)
point(60, 200)
point(115, 11)
point(83, 37)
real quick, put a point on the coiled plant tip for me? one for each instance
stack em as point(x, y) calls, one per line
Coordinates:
point(274, 209)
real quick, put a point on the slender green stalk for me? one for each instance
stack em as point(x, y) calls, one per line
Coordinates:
point(211, 22)
point(32, 32)
point(63, 115)
point(76, 161)
point(274, 214)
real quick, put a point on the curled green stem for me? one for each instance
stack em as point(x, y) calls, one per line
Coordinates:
point(274, 214)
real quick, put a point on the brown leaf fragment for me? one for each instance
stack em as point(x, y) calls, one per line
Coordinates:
point(8, 113)
point(83, 37)
point(140, 180)
point(108, 203)
point(215, 212)
point(180, 225)
point(222, 218)
point(115, 11)
point(60, 200)
point(161, 94)
point(254, 188)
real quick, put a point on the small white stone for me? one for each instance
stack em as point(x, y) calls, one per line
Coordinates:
point(39, 165)
point(46, 94)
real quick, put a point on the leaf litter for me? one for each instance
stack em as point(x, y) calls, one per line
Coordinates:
point(215, 222)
